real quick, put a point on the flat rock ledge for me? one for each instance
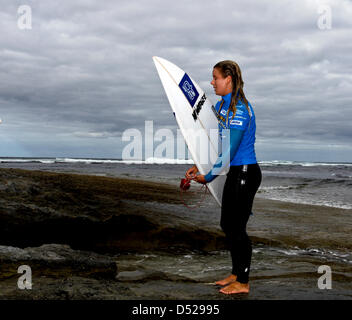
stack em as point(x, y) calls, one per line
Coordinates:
point(56, 261)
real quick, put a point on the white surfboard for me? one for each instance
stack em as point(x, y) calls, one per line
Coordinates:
point(194, 114)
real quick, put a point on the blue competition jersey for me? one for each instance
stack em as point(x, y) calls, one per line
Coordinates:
point(241, 121)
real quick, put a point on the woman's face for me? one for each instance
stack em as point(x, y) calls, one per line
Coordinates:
point(222, 86)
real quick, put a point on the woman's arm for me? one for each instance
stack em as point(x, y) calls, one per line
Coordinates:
point(235, 140)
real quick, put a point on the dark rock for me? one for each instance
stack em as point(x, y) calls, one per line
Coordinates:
point(58, 261)
point(94, 213)
point(71, 288)
point(142, 275)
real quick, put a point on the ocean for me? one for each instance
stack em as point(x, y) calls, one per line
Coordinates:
point(302, 221)
point(324, 184)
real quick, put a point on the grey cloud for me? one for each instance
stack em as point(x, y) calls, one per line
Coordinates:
point(86, 66)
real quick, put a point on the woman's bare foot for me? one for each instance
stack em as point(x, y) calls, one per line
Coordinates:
point(231, 278)
point(235, 287)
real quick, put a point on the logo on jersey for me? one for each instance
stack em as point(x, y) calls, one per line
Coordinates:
point(236, 122)
point(189, 89)
point(223, 112)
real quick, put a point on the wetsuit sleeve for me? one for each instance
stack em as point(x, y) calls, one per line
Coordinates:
point(235, 140)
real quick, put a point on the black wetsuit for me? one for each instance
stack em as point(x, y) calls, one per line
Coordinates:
point(241, 185)
point(242, 182)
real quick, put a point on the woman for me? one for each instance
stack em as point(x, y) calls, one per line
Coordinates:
point(244, 176)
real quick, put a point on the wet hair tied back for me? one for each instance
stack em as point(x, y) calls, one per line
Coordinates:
point(231, 68)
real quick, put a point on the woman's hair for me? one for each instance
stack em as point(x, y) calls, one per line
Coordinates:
point(231, 68)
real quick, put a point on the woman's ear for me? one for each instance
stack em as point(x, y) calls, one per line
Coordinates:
point(229, 80)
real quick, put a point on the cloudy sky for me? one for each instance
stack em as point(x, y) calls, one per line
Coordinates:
point(83, 74)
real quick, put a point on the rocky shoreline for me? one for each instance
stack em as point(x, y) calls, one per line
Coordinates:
point(93, 213)
point(90, 237)
point(70, 229)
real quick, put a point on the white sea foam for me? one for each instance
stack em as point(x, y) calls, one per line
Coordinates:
point(27, 160)
point(314, 202)
point(168, 161)
point(295, 251)
point(270, 188)
point(302, 163)
point(154, 160)
point(91, 161)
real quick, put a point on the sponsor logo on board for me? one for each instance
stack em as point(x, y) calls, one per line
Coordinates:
point(189, 89)
point(198, 107)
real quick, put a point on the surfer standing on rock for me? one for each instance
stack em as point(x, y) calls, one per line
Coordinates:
point(235, 113)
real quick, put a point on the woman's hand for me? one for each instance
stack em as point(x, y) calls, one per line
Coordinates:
point(191, 172)
point(200, 179)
